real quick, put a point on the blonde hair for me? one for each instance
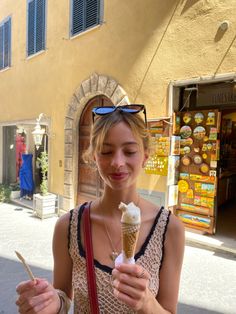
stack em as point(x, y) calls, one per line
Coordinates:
point(103, 124)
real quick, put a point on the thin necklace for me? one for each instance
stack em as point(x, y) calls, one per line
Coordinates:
point(114, 254)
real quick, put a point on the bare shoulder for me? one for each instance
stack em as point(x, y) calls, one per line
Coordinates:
point(175, 231)
point(61, 233)
point(62, 223)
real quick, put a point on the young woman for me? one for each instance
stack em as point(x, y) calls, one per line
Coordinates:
point(119, 149)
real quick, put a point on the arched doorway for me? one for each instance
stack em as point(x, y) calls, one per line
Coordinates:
point(89, 90)
point(90, 184)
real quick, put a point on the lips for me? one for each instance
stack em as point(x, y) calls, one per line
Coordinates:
point(118, 176)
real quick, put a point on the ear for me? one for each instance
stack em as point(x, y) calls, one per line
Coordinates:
point(146, 156)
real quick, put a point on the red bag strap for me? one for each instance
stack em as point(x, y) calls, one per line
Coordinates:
point(91, 278)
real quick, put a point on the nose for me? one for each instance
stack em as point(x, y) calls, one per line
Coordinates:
point(118, 160)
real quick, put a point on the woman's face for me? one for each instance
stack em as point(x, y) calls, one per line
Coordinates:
point(121, 158)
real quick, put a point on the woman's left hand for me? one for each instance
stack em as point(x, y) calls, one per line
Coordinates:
point(130, 283)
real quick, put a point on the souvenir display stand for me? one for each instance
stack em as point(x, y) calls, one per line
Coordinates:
point(160, 143)
point(197, 134)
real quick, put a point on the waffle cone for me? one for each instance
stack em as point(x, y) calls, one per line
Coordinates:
point(129, 238)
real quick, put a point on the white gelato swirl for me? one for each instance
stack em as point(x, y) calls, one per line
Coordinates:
point(130, 213)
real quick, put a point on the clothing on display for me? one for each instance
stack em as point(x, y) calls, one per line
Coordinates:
point(26, 176)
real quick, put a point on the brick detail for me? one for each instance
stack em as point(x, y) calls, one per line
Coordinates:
point(68, 123)
point(68, 177)
point(68, 164)
point(68, 136)
point(68, 150)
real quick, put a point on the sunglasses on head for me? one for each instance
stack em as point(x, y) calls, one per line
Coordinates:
point(132, 108)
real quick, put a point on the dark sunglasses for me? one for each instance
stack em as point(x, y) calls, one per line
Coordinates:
point(132, 108)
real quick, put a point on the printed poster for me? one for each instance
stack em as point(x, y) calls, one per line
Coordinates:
point(173, 195)
point(173, 164)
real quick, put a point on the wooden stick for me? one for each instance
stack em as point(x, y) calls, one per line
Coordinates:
point(21, 258)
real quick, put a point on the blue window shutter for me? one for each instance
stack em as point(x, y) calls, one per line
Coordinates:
point(77, 16)
point(36, 26)
point(85, 14)
point(1, 47)
point(31, 27)
point(40, 25)
point(92, 13)
point(7, 43)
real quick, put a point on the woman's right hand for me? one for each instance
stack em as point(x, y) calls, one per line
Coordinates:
point(37, 296)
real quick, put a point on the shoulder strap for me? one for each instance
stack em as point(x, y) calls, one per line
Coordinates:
point(91, 278)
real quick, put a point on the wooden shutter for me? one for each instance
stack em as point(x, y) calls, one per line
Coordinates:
point(31, 23)
point(5, 44)
point(1, 47)
point(85, 14)
point(92, 13)
point(40, 25)
point(36, 26)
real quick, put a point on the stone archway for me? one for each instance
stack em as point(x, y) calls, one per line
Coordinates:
point(95, 85)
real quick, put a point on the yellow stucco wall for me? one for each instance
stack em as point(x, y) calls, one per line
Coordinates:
point(143, 45)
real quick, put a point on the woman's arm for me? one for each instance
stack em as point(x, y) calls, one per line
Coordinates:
point(171, 265)
point(62, 273)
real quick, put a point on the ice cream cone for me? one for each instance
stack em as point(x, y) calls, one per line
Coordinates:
point(129, 239)
point(130, 225)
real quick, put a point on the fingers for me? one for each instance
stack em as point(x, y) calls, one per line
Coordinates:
point(37, 285)
point(130, 284)
point(36, 303)
point(24, 286)
point(33, 295)
point(132, 270)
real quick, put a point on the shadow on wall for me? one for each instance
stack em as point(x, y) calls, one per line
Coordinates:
point(11, 273)
point(188, 5)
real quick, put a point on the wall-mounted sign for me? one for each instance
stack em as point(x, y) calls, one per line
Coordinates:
point(216, 94)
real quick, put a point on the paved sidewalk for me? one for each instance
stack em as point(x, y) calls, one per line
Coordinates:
point(32, 237)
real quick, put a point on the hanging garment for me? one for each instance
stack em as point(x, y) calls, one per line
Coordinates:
point(20, 149)
point(26, 176)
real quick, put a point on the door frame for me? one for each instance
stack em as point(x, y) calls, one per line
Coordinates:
point(191, 85)
point(96, 84)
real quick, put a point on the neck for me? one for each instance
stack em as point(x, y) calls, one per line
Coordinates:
point(109, 203)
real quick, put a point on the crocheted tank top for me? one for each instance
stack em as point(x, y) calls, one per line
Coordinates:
point(150, 257)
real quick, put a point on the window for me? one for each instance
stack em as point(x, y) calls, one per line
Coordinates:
point(5, 44)
point(36, 26)
point(85, 14)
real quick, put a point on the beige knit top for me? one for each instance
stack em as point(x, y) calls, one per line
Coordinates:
point(150, 257)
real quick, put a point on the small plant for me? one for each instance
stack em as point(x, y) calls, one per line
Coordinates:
point(43, 162)
point(5, 193)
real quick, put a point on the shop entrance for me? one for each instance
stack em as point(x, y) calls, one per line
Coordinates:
point(226, 195)
point(205, 101)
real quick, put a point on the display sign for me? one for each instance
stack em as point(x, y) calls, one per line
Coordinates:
point(197, 180)
point(160, 147)
point(216, 94)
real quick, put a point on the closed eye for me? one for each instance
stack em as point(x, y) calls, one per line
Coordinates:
point(131, 153)
point(106, 153)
